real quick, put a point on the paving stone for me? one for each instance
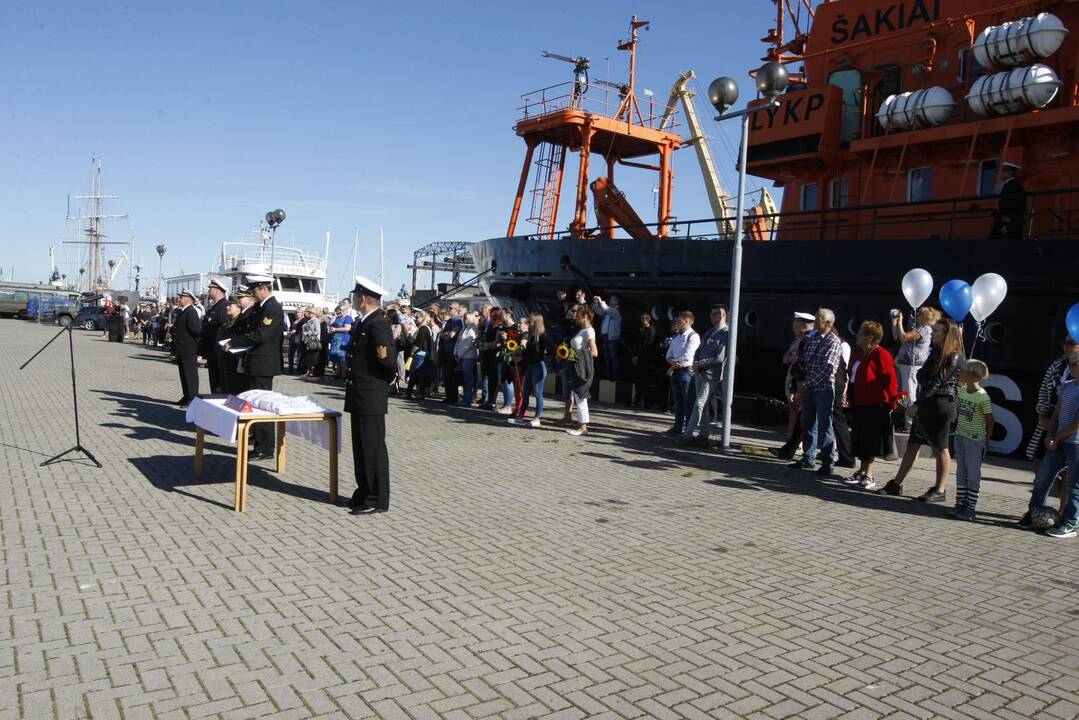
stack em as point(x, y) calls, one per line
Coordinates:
point(520, 573)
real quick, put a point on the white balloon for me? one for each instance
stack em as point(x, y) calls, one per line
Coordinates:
point(917, 287)
point(988, 292)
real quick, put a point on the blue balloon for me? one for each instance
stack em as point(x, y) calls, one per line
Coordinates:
point(1072, 321)
point(956, 299)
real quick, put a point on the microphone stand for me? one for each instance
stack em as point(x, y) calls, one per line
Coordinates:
point(74, 399)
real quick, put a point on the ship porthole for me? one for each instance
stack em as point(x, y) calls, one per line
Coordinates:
point(670, 314)
point(996, 332)
point(853, 325)
point(751, 318)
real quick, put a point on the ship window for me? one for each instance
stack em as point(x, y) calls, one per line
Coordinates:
point(290, 284)
point(310, 285)
point(810, 196)
point(838, 193)
point(987, 177)
point(920, 184)
point(969, 67)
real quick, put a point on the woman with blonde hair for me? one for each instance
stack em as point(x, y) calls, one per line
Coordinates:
point(466, 353)
point(538, 349)
point(914, 351)
point(419, 370)
point(935, 409)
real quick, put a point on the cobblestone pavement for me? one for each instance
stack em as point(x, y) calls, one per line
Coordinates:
point(521, 573)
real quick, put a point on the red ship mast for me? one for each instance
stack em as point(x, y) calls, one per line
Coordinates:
point(563, 118)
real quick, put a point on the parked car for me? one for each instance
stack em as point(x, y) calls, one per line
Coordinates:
point(58, 310)
point(91, 318)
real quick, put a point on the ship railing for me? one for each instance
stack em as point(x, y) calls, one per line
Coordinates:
point(597, 99)
point(239, 254)
point(1050, 215)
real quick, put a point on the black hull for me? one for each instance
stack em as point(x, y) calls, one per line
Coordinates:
point(859, 280)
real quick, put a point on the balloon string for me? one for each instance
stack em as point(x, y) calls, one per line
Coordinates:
point(978, 335)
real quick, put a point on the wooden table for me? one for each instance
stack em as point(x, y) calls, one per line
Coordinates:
point(243, 432)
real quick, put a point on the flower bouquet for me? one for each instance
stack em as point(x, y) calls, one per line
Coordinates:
point(565, 353)
point(511, 349)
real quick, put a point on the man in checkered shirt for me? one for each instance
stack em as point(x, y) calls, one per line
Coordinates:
point(819, 355)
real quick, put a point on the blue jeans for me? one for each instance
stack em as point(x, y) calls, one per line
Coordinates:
point(507, 385)
point(610, 357)
point(681, 382)
point(535, 376)
point(817, 425)
point(468, 372)
point(1064, 455)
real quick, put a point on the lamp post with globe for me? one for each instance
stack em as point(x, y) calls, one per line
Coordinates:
point(771, 79)
point(273, 219)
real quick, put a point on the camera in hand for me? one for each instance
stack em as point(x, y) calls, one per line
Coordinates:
point(894, 312)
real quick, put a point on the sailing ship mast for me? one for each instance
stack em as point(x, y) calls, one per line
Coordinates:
point(95, 236)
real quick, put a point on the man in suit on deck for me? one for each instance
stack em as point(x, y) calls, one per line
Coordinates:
point(263, 358)
point(372, 364)
point(185, 337)
point(217, 315)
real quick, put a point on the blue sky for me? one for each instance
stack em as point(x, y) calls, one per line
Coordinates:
point(348, 115)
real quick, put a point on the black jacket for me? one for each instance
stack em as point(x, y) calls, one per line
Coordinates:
point(185, 331)
point(262, 332)
point(372, 363)
point(216, 316)
point(940, 381)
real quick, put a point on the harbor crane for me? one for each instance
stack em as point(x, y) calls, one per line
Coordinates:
point(764, 213)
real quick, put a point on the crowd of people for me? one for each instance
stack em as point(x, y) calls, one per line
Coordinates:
point(846, 403)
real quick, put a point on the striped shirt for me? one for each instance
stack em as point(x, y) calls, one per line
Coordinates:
point(971, 412)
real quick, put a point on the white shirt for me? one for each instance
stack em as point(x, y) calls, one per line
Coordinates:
point(684, 348)
point(580, 340)
point(368, 315)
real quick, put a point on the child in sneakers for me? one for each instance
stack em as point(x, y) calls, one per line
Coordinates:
point(1062, 442)
point(974, 427)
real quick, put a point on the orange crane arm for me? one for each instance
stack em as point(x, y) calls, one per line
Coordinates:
point(611, 204)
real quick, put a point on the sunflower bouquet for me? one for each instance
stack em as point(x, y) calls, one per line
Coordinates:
point(511, 349)
point(565, 353)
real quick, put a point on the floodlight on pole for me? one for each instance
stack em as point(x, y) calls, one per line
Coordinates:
point(771, 79)
point(273, 219)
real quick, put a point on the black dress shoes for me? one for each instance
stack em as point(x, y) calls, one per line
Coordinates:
point(260, 455)
point(366, 510)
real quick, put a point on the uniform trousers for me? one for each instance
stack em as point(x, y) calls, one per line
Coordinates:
point(189, 375)
point(264, 432)
point(213, 367)
point(371, 460)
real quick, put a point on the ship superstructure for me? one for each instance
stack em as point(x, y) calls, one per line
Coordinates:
point(299, 273)
point(889, 145)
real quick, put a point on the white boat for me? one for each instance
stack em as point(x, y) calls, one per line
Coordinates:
point(299, 273)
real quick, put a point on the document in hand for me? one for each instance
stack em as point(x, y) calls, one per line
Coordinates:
point(233, 350)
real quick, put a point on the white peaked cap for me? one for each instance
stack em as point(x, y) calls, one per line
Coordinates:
point(259, 279)
point(368, 287)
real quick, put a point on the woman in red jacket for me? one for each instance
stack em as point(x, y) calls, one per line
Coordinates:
point(873, 394)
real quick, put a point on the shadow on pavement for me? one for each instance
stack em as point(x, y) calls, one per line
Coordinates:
point(172, 474)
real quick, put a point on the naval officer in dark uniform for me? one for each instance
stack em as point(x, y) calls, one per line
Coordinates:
point(262, 360)
point(217, 314)
point(185, 338)
point(372, 364)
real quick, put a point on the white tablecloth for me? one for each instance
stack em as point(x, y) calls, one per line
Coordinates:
point(211, 415)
